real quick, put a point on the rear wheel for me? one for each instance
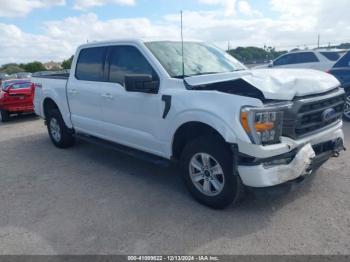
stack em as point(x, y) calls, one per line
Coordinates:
point(347, 107)
point(209, 173)
point(59, 133)
point(5, 116)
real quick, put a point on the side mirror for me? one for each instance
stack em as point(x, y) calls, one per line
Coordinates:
point(271, 63)
point(141, 83)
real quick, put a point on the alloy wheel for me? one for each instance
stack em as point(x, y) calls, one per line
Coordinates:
point(55, 129)
point(206, 174)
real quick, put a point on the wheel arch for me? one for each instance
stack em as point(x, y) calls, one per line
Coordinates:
point(189, 131)
point(49, 103)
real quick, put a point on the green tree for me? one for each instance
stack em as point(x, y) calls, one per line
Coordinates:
point(33, 67)
point(344, 46)
point(11, 68)
point(254, 54)
point(66, 64)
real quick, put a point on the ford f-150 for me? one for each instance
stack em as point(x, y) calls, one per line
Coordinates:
point(228, 127)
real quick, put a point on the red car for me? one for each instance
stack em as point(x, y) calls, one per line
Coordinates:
point(16, 97)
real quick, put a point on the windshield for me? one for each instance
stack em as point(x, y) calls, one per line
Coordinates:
point(199, 58)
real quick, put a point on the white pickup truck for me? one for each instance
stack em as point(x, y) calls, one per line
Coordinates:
point(227, 126)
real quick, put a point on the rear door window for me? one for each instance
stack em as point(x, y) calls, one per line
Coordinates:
point(306, 57)
point(90, 65)
point(285, 60)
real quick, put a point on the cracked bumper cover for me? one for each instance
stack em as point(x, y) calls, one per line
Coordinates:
point(302, 163)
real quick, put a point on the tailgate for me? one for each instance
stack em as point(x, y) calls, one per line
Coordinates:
point(37, 98)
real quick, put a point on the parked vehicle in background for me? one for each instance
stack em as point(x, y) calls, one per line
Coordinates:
point(341, 70)
point(311, 59)
point(3, 76)
point(16, 97)
point(20, 75)
point(227, 126)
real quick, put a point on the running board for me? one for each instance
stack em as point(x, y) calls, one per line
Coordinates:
point(125, 150)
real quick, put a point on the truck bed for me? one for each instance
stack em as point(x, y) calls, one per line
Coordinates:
point(54, 85)
point(53, 75)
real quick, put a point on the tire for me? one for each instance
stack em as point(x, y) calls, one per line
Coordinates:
point(346, 115)
point(5, 116)
point(224, 189)
point(61, 136)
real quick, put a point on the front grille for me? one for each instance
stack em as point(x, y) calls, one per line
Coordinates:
point(306, 116)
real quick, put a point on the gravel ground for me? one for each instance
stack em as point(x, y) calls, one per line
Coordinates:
point(90, 200)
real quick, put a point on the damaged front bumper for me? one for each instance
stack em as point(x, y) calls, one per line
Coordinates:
point(289, 166)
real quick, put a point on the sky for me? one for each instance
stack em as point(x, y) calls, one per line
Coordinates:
point(46, 30)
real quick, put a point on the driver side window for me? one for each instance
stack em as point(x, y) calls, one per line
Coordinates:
point(127, 60)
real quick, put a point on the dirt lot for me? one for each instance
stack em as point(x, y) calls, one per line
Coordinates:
point(90, 200)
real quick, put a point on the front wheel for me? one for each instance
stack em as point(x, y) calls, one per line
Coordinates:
point(209, 173)
point(59, 133)
point(5, 116)
point(347, 107)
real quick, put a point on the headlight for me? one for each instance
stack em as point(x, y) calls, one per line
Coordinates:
point(264, 125)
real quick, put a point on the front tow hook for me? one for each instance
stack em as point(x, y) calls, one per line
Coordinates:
point(338, 146)
point(336, 154)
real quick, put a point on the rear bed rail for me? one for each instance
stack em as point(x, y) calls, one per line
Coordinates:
point(53, 75)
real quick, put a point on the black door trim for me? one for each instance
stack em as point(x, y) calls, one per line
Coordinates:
point(167, 101)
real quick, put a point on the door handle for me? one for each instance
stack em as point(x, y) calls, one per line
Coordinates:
point(73, 91)
point(107, 96)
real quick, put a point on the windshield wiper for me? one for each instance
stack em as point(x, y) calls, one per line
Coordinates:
point(204, 73)
point(180, 76)
point(211, 73)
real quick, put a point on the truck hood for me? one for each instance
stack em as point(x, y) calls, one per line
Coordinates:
point(277, 84)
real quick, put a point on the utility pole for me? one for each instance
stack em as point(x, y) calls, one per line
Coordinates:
point(318, 41)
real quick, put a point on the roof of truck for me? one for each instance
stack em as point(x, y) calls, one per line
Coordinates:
point(136, 40)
